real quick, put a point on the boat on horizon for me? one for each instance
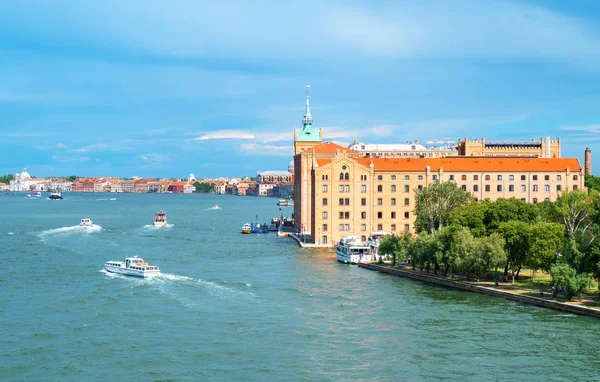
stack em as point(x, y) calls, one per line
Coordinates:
point(132, 266)
point(246, 228)
point(160, 220)
point(285, 203)
point(351, 250)
point(215, 207)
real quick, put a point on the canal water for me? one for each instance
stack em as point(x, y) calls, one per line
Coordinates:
point(245, 307)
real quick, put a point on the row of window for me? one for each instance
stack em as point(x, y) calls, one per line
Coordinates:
point(363, 215)
point(363, 227)
point(346, 176)
point(511, 188)
point(363, 201)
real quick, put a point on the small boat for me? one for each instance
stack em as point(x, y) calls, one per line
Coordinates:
point(112, 199)
point(160, 220)
point(132, 266)
point(55, 195)
point(282, 203)
point(37, 194)
point(215, 207)
point(351, 250)
point(28, 196)
point(246, 228)
point(86, 223)
point(373, 242)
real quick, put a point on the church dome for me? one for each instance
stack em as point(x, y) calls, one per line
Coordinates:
point(291, 167)
point(25, 174)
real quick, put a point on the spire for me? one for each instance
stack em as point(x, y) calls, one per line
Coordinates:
point(307, 120)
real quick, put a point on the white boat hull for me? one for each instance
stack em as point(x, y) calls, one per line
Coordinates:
point(131, 272)
point(160, 224)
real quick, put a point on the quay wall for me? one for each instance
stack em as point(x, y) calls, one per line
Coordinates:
point(575, 309)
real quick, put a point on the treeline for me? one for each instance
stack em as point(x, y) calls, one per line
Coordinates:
point(204, 187)
point(6, 178)
point(458, 235)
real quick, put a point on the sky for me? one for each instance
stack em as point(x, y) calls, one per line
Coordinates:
point(164, 89)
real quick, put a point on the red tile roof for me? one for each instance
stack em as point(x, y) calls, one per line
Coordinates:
point(329, 148)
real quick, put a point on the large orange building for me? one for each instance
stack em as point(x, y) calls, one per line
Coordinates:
point(340, 192)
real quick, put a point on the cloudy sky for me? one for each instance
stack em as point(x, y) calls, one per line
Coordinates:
point(165, 88)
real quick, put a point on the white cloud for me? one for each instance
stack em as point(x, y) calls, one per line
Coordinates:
point(267, 150)
point(591, 128)
point(92, 147)
point(68, 159)
point(154, 159)
point(225, 134)
point(61, 146)
point(382, 130)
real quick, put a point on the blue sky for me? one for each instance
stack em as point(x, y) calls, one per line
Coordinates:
point(156, 88)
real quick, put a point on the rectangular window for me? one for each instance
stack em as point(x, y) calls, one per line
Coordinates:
point(574, 188)
point(341, 227)
point(379, 227)
point(406, 201)
point(341, 200)
point(535, 188)
point(523, 188)
point(475, 177)
point(379, 202)
point(406, 177)
point(393, 215)
point(547, 188)
point(535, 177)
point(347, 201)
point(393, 177)
point(363, 227)
point(419, 187)
point(380, 215)
point(406, 215)
point(534, 200)
point(475, 188)
point(393, 227)
point(451, 177)
point(487, 177)
point(420, 177)
point(363, 188)
point(379, 177)
point(393, 201)
point(499, 177)
point(406, 227)
point(341, 188)
point(363, 215)
point(558, 187)
point(511, 188)
point(379, 188)
point(347, 215)
point(463, 177)
point(464, 187)
point(546, 177)
point(487, 188)
point(347, 188)
point(363, 202)
point(575, 177)
point(511, 177)
point(558, 177)
point(347, 227)
point(434, 177)
point(341, 215)
point(523, 177)
point(325, 188)
point(499, 187)
point(324, 201)
point(324, 227)
point(393, 188)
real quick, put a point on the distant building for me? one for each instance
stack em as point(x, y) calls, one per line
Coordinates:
point(274, 177)
point(544, 148)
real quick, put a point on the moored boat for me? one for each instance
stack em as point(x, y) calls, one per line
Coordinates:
point(160, 220)
point(246, 228)
point(132, 266)
point(373, 242)
point(351, 250)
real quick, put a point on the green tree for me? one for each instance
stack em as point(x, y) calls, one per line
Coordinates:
point(420, 251)
point(466, 253)
point(592, 182)
point(71, 178)
point(516, 239)
point(435, 203)
point(7, 178)
point(504, 210)
point(397, 246)
point(578, 284)
point(470, 215)
point(545, 241)
point(493, 252)
point(561, 274)
point(573, 209)
point(204, 187)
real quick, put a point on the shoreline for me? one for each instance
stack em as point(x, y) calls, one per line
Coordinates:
point(541, 302)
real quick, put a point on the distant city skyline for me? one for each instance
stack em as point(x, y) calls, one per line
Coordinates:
point(158, 89)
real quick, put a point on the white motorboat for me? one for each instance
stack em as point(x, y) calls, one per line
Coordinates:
point(351, 250)
point(55, 195)
point(246, 228)
point(215, 207)
point(160, 220)
point(112, 199)
point(132, 266)
point(86, 223)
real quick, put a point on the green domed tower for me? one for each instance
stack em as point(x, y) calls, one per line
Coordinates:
point(309, 136)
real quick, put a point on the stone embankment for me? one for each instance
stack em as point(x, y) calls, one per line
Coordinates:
point(576, 309)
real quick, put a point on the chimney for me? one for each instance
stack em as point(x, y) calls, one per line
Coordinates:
point(588, 161)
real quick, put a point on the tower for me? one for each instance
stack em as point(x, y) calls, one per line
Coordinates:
point(308, 137)
point(587, 162)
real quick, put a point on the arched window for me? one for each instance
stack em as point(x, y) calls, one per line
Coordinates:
point(341, 176)
point(347, 176)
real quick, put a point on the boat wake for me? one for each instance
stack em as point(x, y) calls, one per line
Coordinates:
point(152, 226)
point(71, 230)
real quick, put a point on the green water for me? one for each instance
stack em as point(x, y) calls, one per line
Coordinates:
point(245, 307)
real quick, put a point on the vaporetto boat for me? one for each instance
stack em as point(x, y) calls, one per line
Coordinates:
point(351, 250)
point(132, 266)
